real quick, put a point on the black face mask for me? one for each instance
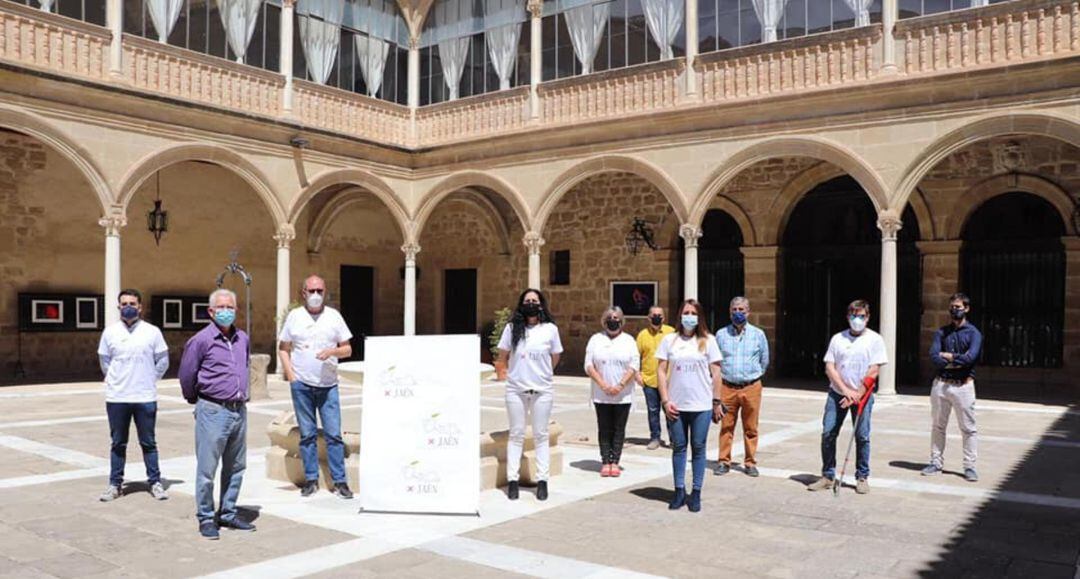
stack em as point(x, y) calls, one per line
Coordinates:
point(957, 313)
point(530, 310)
point(657, 320)
point(612, 325)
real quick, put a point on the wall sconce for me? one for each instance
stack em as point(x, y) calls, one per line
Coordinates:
point(157, 220)
point(641, 235)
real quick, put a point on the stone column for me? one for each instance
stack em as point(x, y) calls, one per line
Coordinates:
point(284, 238)
point(410, 249)
point(536, 56)
point(759, 271)
point(890, 10)
point(285, 57)
point(690, 234)
point(889, 223)
point(691, 46)
point(414, 72)
point(114, 18)
point(533, 243)
point(112, 225)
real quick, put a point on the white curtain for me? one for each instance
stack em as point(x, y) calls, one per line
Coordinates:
point(586, 25)
point(320, 35)
point(239, 18)
point(502, 41)
point(665, 18)
point(452, 54)
point(769, 13)
point(372, 54)
point(862, 11)
point(163, 13)
point(46, 5)
point(977, 3)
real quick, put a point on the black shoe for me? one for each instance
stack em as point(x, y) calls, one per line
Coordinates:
point(309, 488)
point(722, 468)
point(209, 530)
point(679, 500)
point(752, 471)
point(693, 502)
point(342, 490)
point(541, 491)
point(237, 525)
point(512, 490)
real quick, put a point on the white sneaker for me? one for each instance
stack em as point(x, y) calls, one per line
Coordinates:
point(158, 491)
point(110, 494)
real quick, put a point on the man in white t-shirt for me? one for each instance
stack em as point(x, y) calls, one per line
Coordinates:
point(852, 363)
point(133, 358)
point(312, 339)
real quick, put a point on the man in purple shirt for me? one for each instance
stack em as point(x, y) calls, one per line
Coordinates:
point(214, 377)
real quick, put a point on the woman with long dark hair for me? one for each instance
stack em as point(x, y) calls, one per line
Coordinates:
point(690, 384)
point(531, 343)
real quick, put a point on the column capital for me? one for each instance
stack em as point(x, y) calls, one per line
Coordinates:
point(889, 223)
point(533, 242)
point(284, 236)
point(410, 250)
point(690, 234)
point(113, 223)
point(288, 3)
point(536, 8)
point(414, 42)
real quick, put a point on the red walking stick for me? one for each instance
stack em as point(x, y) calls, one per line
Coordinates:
point(869, 383)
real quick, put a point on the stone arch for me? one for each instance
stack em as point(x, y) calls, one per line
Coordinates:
point(729, 206)
point(998, 124)
point(215, 154)
point(844, 160)
point(471, 180)
point(610, 164)
point(361, 179)
point(967, 204)
point(40, 129)
point(333, 209)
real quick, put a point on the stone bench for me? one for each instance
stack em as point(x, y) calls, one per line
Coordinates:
point(283, 462)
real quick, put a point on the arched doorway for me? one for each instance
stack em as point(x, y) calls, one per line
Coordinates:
point(720, 265)
point(1013, 268)
point(830, 256)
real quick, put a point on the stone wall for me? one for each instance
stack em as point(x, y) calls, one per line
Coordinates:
point(592, 221)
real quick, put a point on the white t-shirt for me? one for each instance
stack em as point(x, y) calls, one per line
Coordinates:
point(530, 363)
point(132, 376)
point(310, 335)
point(853, 355)
point(689, 378)
point(611, 358)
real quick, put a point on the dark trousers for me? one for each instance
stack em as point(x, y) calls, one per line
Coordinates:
point(611, 427)
point(120, 416)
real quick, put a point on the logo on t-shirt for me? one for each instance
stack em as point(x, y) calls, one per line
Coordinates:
point(690, 366)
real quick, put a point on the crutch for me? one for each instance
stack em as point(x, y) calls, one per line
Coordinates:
point(869, 383)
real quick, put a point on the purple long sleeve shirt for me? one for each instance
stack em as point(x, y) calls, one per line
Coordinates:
point(215, 365)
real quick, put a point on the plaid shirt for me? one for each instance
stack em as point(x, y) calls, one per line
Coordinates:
point(746, 354)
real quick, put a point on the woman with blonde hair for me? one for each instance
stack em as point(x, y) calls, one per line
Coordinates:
point(611, 360)
point(690, 383)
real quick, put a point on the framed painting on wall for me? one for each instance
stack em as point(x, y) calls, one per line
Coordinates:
point(86, 313)
point(47, 311)
point(172, 314)
point(634, 297)
point(199, 315)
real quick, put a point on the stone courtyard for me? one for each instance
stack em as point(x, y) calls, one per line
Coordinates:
point(1021, 520)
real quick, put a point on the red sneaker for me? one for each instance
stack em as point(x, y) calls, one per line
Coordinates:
point(605, 471)
point(615, 471)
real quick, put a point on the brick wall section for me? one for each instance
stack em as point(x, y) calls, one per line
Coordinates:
point(592, 221)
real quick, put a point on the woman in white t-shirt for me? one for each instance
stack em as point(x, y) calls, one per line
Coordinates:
point(611, 360)
point(531, 343)
point(689, 379)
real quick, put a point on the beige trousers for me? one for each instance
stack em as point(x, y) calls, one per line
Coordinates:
point(945, 397)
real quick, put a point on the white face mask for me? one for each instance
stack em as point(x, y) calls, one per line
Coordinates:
point(314, 301)
point(857, 323)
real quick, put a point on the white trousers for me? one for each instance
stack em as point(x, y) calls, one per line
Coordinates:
point(517, 405)
point(945, 397)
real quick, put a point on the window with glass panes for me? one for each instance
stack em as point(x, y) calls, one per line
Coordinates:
point(626, 39)
point(92, 11)
point(732, 23)
point(913, 8)
point(478, 75)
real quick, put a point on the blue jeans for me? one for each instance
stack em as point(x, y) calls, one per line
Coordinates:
point(220, 436)
point(695, 427)
point(652, 404)
point(120, 416)
point(306, 400)
point(830, 429)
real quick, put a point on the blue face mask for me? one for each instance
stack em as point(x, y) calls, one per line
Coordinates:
point(225, 317)
point(739, 318)
point(689, 321)
point(129, 313)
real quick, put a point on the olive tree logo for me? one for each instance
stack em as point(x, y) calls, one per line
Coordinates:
point(420, 480)
point(441, 433)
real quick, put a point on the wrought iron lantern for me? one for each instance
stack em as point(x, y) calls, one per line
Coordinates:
point(641, 235)
point(157, 220)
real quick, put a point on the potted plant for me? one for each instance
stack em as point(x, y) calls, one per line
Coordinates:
point(502, 317)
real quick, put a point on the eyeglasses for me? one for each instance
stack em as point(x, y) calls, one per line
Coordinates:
point(224, 307)
point(319, 291)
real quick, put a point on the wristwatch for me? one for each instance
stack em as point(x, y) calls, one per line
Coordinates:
point(717, 402)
